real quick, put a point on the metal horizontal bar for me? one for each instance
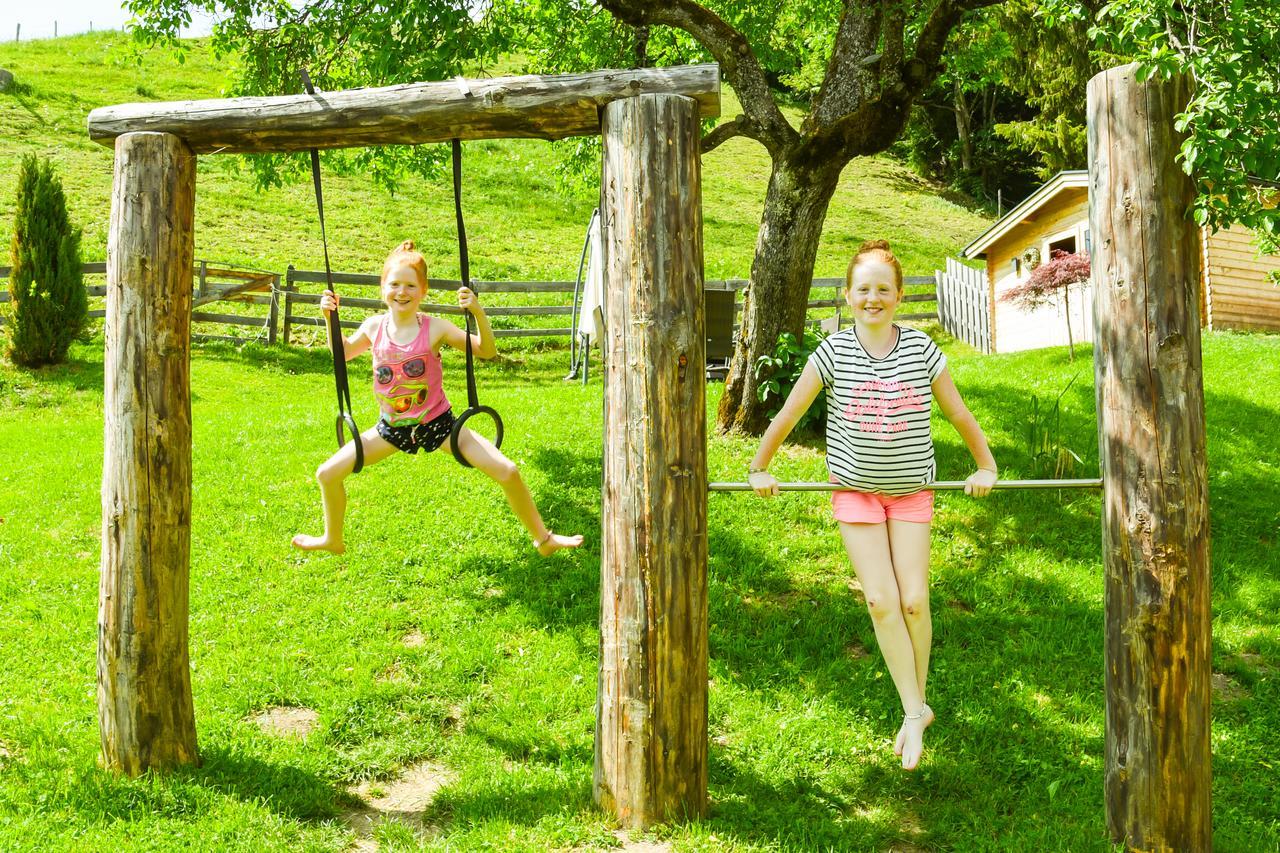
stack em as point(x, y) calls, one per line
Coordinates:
point(941, 485)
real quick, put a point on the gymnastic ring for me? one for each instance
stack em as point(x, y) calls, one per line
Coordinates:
point(457, 430)
point(345, 419)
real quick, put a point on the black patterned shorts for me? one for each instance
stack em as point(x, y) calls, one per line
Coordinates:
point(423, 436)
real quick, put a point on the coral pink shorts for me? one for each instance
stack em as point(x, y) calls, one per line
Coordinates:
point(870, 508)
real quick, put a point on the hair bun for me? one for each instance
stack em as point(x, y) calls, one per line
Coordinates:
point(872, 245)
point(407, 246)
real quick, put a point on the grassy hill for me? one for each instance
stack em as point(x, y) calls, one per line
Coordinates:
point(521, 223)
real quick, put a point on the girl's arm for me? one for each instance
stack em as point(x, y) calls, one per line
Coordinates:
point(802, 395)
point(359, 340)
point(482, 343)
point(945, 392)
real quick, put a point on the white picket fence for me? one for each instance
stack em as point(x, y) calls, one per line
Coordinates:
point(964, 304)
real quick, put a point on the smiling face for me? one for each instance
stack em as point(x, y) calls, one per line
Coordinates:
point(873, 294)
point(403, 289)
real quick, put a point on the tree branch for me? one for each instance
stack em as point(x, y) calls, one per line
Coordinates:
point(875, 124)
point(849, 77)
point(738, 63)
point(723, 133)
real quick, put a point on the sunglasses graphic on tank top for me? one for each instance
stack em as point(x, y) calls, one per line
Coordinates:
point(406, 377)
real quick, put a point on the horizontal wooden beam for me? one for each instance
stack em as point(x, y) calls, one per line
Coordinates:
point(550, 106)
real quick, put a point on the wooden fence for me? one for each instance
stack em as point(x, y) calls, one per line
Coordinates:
point(964, 304)
point(275, 310)
point(209, 284)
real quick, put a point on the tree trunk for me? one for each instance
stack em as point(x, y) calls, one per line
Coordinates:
point(1066, 310)
point(145, 713)
point(1155, 524)
point(795, 206)
point(964, 132)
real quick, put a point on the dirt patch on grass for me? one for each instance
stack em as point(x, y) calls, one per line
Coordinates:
point(286, 721)
point(414, 639)
point(856, 651)
point(640, 846)
point(404, 799)
point(1258, 663)
point(1227, 688)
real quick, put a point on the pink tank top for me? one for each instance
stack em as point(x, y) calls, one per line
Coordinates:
point(407, 378)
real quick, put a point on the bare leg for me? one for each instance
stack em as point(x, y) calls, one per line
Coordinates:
point(481, 453)
point(909, 544)
point(868, 548)
point(333, 494)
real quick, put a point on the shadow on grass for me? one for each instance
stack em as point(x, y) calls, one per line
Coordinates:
point(100, 796)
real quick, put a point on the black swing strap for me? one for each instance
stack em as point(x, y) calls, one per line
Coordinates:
point(464, 264)
point(473, 399)
point(335, 327)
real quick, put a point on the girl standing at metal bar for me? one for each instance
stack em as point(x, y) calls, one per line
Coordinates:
point(880, 380)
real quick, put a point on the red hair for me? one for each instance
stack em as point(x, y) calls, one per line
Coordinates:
point(405, 255)
point(877, 250)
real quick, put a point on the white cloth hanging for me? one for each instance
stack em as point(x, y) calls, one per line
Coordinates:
point(591, 309)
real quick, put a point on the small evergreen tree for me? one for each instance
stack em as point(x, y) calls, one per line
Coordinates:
point(48, 305)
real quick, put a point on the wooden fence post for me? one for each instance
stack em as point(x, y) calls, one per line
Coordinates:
point(1155, 529)
point(289, 288)
point(651, 713)
point(274, 311)
point(145, 713)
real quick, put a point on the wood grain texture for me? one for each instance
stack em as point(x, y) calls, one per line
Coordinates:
point(551, 106)
point(145, 712)
point(1155, 532)
point(651, 721)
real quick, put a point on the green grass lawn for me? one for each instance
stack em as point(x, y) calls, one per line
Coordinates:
point(441, 637)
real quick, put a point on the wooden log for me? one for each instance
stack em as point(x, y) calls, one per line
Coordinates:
point(1155, 532)
point(651, 714)
point(145, 713)
point(551, 106)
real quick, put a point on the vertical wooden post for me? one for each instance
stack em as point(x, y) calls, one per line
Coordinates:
point(651, 715)
point(289, 288)
point(273, 311)
point(145, 712)
point(1155, 530)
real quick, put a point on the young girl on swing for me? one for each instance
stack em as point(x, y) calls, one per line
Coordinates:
point(415, 413)
point(880, 379)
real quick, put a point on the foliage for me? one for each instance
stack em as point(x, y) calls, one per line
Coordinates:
point(342, 46)
point(1231, 49)
point(1050, 456)
point(48, 304)
point(1050, 66)
point(1047, 281)
point(778, 373)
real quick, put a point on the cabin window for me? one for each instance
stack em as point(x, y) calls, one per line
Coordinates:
point(1066, 244)
point(1016, 265)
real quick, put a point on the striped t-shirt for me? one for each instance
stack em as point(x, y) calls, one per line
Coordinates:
point(878, 411)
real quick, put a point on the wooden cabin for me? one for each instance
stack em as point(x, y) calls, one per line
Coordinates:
point(1236, 292)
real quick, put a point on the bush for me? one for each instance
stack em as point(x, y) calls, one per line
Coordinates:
point(48, 305)
point(779, 372)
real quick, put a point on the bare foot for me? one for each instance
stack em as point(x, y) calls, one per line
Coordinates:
point(317, 543)
point(910, 741)
point(553, 542)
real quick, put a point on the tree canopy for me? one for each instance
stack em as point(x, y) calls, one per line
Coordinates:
point(1231, 49)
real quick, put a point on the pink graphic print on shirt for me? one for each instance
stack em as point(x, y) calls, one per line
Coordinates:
point(878, 400)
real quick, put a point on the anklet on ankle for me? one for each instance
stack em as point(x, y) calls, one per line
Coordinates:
point(544, 540)
point(916, 716)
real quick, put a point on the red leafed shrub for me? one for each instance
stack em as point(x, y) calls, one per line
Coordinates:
point(1046, 281)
